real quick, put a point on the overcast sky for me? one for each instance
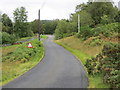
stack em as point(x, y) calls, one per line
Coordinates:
point(50, 9)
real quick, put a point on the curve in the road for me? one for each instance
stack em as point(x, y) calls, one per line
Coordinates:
point(58, 69)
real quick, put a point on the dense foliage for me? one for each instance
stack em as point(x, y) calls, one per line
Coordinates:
point(108, 63)
point(98, 10)
point(50, 26)
point(11, 31)
point(98, 20)
point(7, 25)
point(23, 54)
point(65, 29)
point(21, 28)
point(18, 59)
point(93, 21)
point(107, 30)
point(7, 38)
point(46, 26)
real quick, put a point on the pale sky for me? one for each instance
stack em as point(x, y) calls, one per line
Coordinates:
point(50, 9)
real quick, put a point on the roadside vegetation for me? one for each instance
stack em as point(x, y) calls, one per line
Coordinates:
point(83, 51)
point(15, 36)
point(96, 43)
point(18, 59)
point(13, 31)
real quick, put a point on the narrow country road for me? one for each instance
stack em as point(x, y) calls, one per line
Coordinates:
point(58, 69)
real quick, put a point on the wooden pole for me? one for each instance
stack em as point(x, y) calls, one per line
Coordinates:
point(39, 25)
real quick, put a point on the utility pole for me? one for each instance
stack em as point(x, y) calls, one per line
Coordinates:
point(119, 5)
point(78, 23)
point(39, 25)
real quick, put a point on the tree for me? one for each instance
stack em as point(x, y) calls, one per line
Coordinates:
point(61, 29)
point(21, 26)
point(117, 18)
point(50, 26)
point(65, 29)
point(105, 19)
point(99, 9)
point(86, 19)
point(34, 27)
point(7, 25)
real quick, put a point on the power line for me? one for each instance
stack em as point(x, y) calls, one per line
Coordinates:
point(43, 4)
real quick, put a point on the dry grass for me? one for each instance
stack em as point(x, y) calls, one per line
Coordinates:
point(81, 45)
point(115, 39)
point(6, 50)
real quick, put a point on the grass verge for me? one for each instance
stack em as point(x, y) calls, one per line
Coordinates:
point(43, 36)
point(18, 59)
point(79, 54)
point(97, 82)
point(25, 38)
point(83, 52)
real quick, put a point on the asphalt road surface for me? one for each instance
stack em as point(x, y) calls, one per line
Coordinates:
point(58, 69)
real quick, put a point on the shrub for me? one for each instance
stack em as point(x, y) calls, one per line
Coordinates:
point(7, 38)
point(108, 63)
point(107, 30)
point(22, 53)
point(65, 29)
point(85, 32)
point(96, 42)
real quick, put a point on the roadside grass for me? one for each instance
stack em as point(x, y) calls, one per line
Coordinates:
point(79, 54)
point(18, 59)
point(97, 82)
point(12, 70)
point(25, 38)
point(43, 36)
point(80, 45)
point(6, 50)
point(83, 52)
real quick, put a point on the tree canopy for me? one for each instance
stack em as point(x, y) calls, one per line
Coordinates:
point(21, 28)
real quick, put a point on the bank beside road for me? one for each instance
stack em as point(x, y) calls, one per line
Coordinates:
point(58, 69)
point(18, 59)
point(82, 51)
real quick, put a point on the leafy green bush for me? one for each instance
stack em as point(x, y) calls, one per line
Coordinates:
point(96, 42)
point(23, 53)
point(105, 19)
point(65, 29)
point(107, 30)
point(85, 32)
point(108, 63)
point(7, 38)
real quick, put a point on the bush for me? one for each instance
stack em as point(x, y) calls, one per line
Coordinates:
point(108, 63)
point(65, 29)
point(7, 38)
point(96, 42)
point(22, 53)
point(85, 32)
point(107, 30)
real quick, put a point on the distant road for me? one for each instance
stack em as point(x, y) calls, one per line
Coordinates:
point(58, 69)
point(17, 42)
